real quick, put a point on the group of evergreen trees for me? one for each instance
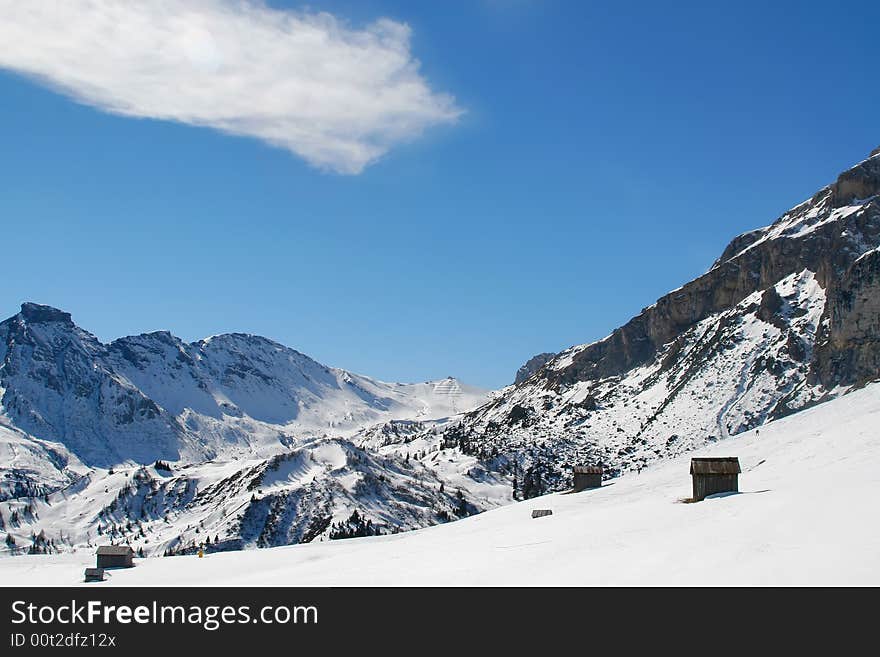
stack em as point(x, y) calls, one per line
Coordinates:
point(534, 481)
point(418, 455)
point(22, 489)
point(192, 547)
point(26, 514)
point(41, 544)
point(354, 526)
point(461, 509)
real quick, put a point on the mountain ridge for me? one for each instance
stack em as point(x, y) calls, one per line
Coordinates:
point(152, 396)
point(158, 442)
point(785, 318)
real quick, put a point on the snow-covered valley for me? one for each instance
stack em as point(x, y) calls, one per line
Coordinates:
point(237, 442)
point(803, 516)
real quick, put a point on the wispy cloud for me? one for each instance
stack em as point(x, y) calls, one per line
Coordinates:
point(338, 96)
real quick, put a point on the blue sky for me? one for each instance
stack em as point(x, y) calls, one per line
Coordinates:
point(566, 164)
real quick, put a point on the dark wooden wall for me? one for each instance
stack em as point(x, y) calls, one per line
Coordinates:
point(584, 481)
point(708, 484)
point(114, 561)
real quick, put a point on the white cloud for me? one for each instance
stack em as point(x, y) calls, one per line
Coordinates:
point(337, 96)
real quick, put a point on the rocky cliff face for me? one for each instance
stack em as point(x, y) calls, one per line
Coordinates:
point(57, 386)
point(786, 317)
point(825, 235)
point(531, 366)
point(850, 348)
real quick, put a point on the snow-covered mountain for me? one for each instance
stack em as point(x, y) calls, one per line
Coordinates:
point(250, 438)
point(800, 518)
point(787, 317)
point(73, 407)
point(153, 396)
point(268, 447)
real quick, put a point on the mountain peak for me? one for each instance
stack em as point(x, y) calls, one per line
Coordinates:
point(36, 313)
point(859, 183)
point(532, 365)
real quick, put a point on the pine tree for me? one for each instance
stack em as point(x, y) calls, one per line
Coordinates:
point(515, 470)
point(461, 509)
point(10, 541)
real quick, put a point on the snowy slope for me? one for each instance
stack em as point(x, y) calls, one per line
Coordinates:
point(808, 485)
point(323, 489)
point(247, 378)
point(33, 467)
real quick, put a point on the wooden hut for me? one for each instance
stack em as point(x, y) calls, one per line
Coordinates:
point(714, 475)
point(94, 575)
point(587, 476)
point(115, 556)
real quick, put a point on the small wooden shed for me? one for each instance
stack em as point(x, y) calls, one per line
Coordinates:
point(115, 556)
point(587, 476)
point(94, 575)
point(716, 474)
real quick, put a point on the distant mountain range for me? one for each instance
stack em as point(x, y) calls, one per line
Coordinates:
point(154, 397)
point(239, 439)
point(149, 435)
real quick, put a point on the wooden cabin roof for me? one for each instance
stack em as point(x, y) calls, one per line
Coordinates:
point(715, 465)
point(588, 469)
point(114, 550)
